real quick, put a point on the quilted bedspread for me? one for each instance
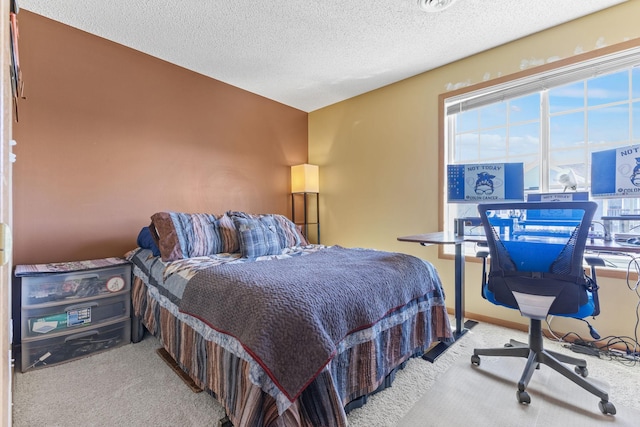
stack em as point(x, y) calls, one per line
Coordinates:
point(290, 314)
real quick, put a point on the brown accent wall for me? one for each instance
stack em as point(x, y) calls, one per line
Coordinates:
point(108, 135)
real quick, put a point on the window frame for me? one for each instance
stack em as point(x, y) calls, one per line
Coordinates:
point(575, 68)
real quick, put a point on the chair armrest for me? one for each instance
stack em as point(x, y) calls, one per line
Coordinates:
point(594, 261)
point(484, 254)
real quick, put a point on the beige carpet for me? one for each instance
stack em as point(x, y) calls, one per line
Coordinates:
point(127, 386)
point(132, 386)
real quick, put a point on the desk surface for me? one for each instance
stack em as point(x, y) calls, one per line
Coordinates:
point(438, 238)
point(442, 238)
point(602, 246)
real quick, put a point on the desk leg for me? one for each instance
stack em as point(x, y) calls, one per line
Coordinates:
point(461, 326)
point(459, 291)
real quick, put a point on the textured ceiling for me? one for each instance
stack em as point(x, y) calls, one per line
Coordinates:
point(313, 53)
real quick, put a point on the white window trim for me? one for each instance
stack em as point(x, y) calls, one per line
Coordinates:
point(544, 80)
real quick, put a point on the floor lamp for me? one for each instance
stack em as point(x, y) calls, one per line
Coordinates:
point(305, 208)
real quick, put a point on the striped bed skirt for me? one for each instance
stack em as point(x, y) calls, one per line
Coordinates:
point(354, 373)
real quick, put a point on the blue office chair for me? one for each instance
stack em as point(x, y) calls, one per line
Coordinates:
point(536, 266)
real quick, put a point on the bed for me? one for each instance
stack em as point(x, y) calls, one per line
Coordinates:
point(279, 331)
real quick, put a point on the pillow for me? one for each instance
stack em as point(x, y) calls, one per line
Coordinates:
point(303, 238)
point(145, 241)
point(229, 234)
point(258, 236)
point(184, 235)
point(289, 234)
point(242, 214)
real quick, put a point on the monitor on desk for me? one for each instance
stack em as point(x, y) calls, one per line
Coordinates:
point(556, 214)
point(485, 182)
point(616, 172)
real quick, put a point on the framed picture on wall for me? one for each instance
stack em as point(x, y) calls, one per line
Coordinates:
point(16, 75)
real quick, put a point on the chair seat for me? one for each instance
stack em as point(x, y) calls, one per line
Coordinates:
point(585, 310)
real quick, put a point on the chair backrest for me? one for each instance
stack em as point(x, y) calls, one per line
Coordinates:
point(536, 265)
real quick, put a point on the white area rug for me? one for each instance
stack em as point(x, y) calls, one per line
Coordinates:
point(486, 396)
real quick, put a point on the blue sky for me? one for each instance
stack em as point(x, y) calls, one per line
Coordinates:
point(604, 102)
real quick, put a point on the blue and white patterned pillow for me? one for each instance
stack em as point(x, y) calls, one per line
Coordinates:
point(290, 235)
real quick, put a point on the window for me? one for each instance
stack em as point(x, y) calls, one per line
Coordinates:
point(551, 122)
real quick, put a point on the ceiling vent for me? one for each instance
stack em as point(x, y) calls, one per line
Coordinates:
point(435, 5)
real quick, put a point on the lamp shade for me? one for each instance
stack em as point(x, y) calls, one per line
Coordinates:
point(305, 179)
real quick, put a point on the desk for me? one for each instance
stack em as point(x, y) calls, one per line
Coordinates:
point(599, 245)
point(442, 238)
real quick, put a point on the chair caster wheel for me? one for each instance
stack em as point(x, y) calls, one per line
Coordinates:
point(523, 397)
point(607, 407)
point(583, 372)
point(475, 360)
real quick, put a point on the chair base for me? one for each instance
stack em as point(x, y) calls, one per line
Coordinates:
point(536, 355)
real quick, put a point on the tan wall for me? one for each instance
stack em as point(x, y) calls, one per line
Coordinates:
point(379, 157)
point(107, 136)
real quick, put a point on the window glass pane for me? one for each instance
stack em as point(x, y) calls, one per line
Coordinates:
point(609, 124)
point(567, 97)
point(566, 130)
point(462, 210)
point(532, 178)
point(623, 206)
point(561, 161)
point(608, 89)
point(467, 120)
point(493, 115)
point(524, 139)
point(630, 206)
point(493, 144)
point(635, 83)
point(466, 148)
point(524, 108)
point(531, 170)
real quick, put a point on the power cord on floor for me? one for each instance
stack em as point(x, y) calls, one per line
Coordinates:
point(623, 349)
